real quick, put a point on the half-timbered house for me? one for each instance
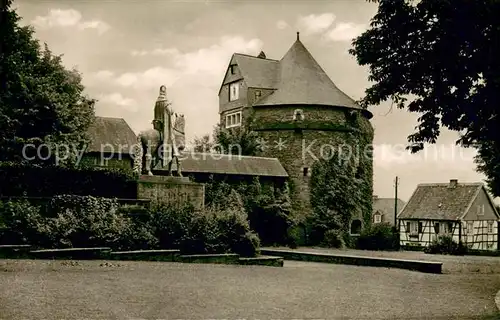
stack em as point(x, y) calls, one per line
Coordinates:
point(464, 211)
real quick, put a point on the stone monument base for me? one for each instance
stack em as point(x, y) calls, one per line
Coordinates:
point(171, 191)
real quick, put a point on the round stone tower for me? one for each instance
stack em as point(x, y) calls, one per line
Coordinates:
point(304, 117)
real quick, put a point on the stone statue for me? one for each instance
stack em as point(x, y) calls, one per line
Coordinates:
point(167, 138)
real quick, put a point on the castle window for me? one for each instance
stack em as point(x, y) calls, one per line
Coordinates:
point(258, 94)
point(298, 115)
point(305, 171)
point(377, 218)
point(233, 119)
point(232, 68)
point(356, 227)
point(234, 91)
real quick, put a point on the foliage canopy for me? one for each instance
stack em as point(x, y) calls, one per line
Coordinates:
point(443, 56)
point(41, 102)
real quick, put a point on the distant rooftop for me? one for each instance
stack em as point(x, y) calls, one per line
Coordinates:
point(111, 133)
point(446, 201)
point(231, 165)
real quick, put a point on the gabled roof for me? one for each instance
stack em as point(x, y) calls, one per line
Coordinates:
point(385, 206)
point(113, 132)
point(297, 78)
point(440, 201)
point(230, 164)
point(303, 81)
point(257, 72)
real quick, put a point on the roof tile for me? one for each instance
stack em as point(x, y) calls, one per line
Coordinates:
point(112, 133)
point(440, 201)
point(230, 164)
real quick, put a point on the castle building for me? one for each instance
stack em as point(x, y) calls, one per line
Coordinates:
point(297, 110)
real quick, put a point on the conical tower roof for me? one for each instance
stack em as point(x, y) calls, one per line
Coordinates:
point(301, 81)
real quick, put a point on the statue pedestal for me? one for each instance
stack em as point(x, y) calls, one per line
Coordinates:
point(171, 191)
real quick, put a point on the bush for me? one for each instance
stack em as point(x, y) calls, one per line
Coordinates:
point(380, 236)
point(295, 236)
point(85, 221)
point(209, 231)
point(81, 221)
point(21, 222)
point(235, 231)
point(27, 180)
point(333, 239)
point(445, 244)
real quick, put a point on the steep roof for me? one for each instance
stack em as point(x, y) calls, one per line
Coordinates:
point(113, 132)
point(297, 78)
point(386, 207)
point(257, 72)
point(440, 201)
point(230, 164)
point(301, 80)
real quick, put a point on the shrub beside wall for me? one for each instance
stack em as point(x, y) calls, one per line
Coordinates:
point(380, 236)
point(445, 245)
point(85, 221)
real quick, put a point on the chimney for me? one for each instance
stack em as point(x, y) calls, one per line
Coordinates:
point(453, 183)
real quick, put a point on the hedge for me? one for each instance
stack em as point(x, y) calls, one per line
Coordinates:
point(85, 221)
point(32, 181)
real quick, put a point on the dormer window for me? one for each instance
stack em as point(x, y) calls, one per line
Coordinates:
point(258, 94)
point(234, 91)
point(298, 115)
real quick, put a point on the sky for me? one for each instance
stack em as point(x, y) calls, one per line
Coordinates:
point(127, 49)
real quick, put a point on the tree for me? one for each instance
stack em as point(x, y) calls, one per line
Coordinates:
point(203, 144)
point(443, 56)
point(238, 140)
point(41, 102)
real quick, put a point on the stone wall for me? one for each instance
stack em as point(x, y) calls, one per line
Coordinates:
point(171, 191)
point(304, 142)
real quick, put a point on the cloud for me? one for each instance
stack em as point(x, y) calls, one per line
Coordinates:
point(68, 18)
point(104, 75)
point(214, 59)
point(155, 52)
point(210, 61)
point(281, 24)
point(150, 78)
point(345, 31)
point(192, 78)
point(119, 100)
point(313, 24)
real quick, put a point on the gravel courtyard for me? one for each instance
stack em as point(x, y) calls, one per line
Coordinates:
point(36, 289)
point(451, 264)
